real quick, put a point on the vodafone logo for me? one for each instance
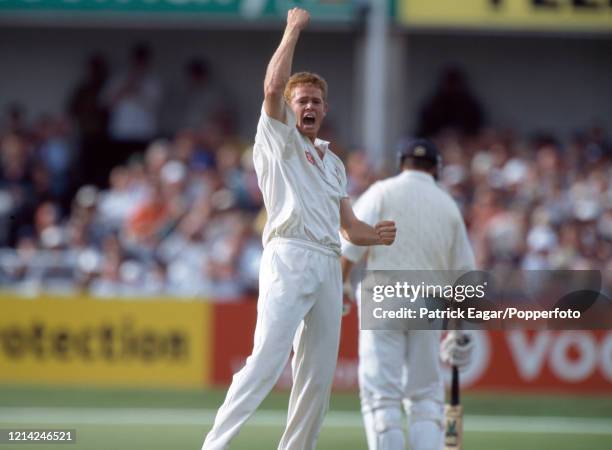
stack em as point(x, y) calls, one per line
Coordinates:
point(566, 358)
point(571, 356)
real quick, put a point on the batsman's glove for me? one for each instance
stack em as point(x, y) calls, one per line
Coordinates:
point(456, 348)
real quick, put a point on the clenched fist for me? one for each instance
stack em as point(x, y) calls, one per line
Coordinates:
point(386, 232)
point(297, 18)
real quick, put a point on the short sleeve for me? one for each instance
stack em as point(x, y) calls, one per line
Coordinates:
point(343, 179)
point(366, 209)
point(273, 136)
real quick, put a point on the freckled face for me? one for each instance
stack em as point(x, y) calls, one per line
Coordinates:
point(309, 107)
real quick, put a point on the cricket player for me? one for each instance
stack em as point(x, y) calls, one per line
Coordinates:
point(403, 368)
point(300, 283)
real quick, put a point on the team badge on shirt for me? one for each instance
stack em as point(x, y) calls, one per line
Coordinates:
point(310, 158)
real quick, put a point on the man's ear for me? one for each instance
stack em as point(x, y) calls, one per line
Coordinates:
point(325, 108)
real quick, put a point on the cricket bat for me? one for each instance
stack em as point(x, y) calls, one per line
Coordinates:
point(453, 416)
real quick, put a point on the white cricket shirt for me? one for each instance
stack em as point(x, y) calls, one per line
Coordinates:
point(431, 234)
point(301, 191)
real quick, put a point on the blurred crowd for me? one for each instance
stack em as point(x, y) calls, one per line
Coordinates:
point(176, 222)
point(536, 204)
point(131, 191)
point(104, 200)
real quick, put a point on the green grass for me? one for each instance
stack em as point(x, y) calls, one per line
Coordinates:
point(474, 403)
point(175, 435)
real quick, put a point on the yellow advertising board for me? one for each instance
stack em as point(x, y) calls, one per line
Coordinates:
point(537, 15)
point(80, 341)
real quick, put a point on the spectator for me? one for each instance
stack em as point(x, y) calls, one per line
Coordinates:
point(452, 105)
point(16, 184)
point(90, 116)
point(185, 254)
point(118, 202)
point(15, 120)
point(54, 151)
point(133, 98)
point(107, 283)
point(200, 99)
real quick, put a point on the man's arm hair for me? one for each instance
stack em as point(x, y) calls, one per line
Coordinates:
point(279, 67)
point(360, 233)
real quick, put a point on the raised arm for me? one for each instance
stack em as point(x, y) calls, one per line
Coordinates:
point(279, 67)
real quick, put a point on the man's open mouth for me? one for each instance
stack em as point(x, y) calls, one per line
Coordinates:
point(309, 119)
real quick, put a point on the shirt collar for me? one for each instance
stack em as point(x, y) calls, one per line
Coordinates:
point(323, 145)
point(417, 175)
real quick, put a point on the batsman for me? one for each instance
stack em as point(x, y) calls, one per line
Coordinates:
point(300, 283)
point(400, 371)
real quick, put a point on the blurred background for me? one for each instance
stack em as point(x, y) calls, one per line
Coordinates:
point(130, 217)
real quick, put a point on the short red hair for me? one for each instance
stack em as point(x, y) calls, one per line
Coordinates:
point(300, 78)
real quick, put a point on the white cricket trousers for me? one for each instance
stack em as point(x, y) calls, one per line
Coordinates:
point(401, 369)
point(300, 303)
